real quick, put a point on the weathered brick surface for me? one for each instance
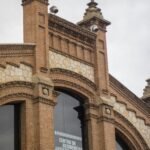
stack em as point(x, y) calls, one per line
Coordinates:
point(65, 55)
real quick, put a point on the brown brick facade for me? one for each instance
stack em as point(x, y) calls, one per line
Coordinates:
point(68, 56)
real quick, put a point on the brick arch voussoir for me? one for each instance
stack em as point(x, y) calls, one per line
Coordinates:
point(15, 92)
point(88, 96)
point(129, 133)
point(63, 74)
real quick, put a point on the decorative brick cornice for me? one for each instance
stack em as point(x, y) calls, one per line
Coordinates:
point(114, 83)
point(16, 50)
point(72, 57)
point(25, 2)
point(44, 101)
point(17, 84)
point(73, 30)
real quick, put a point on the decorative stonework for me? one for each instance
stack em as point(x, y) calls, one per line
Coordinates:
point(59, 61)
point(119, 87)
point(146, 94)
point(137, 122)
point(14, 73)
point(71, 30)
point(108, 111)
point(16, 50)
point(45, 91)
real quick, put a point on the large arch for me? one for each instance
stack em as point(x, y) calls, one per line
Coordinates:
point(73, 81)
point(123, 140)
point(16, 91)
point(129, 133)
point(20, 94)
point(84, 98)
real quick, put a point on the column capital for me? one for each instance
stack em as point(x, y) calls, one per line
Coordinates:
point(44, 90)
point(91, 111)
point(106, 112)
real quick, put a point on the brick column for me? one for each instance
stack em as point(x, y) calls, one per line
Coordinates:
point(91, 117)
point(27, 126)
point(44, 102)
point(106, 125)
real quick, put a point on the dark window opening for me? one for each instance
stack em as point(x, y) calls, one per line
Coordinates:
point(10, 127)
point(121, 144)
point(69, 123)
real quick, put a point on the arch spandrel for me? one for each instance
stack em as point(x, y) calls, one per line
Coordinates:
point(57, 60)
point(138, 123)
point(126, 139)
point(134, 137)
point(63, 78)
point(81, 92)
point(16, 92)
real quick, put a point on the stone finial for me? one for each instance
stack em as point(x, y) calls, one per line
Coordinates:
point(92, 11)
point(93, 18)
point(146, 93)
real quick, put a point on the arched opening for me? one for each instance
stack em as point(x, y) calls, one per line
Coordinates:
point(122, 143)
point(69, 122)
point(10, 127)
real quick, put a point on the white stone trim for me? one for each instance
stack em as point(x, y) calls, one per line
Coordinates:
point(59, 61)
point(12, 73)
point(137, 122)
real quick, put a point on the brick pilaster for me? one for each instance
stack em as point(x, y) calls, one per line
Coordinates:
point(44, 102)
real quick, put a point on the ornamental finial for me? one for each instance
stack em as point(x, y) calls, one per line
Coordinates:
point(92, 10)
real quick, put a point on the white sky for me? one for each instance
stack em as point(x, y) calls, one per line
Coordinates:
point(127, 38)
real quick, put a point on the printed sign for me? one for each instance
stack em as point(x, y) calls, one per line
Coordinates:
point(64, 141)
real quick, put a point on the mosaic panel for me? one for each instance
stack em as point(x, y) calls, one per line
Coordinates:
point(12, 73)
point(59, 61)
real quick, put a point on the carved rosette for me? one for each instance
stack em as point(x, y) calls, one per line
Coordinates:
point(44, 90)
point(106, 112)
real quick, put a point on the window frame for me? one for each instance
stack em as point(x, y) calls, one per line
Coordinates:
point(81, 116)
point(17, 125)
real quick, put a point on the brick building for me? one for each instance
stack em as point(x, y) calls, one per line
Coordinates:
point(56, 91)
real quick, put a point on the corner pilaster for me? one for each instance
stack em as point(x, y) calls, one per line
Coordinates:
point(35, 21)
point(106, 124)
point(43, 105)
point(94, 21)
point(91, 117)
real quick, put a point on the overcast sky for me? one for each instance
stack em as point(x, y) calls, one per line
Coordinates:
point(128, 37)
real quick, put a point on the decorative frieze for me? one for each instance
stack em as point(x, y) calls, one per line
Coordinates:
point(14, 73)
point(72, 30)
point(16, 50)
point(59, 61)
point(137, 122)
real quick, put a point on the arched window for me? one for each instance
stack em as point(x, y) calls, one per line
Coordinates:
point(121, 144)
point(9, 127)
point(69, 124)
